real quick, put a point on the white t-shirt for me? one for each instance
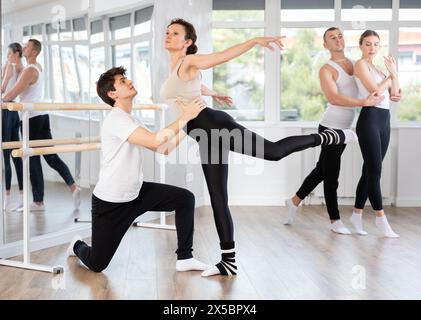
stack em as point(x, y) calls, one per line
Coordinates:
point(121, 175)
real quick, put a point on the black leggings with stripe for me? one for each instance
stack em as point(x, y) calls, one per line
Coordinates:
point(214, 146)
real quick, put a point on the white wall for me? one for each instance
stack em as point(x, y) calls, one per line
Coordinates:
point(408, 164)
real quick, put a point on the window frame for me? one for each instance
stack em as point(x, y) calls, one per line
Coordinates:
point(272, 25)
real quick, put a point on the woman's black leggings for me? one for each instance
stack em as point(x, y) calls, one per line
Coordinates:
point(110, 222)
point(217, 133)
point(10, 132)
point(373, 130)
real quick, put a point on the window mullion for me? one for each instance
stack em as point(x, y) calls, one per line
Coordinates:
point(272, 64)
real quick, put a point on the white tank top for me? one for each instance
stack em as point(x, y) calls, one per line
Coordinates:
point(339, 117)
point(34, 92)
point(377, 77)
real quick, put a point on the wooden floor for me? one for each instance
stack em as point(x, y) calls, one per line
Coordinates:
point(303, 261)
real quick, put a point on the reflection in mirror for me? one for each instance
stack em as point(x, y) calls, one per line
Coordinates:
point(54, 68)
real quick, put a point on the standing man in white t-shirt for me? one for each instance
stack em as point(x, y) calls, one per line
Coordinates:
point(121, 195)
point(29, 89)
point(338, 84)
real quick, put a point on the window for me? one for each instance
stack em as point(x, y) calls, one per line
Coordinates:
point(97, 68)
point(120, 27)
point(57, 74)
point(82, 63)
point(301, 97)
point(142, 74)
point(243, 77)
point(121, 57)
point(405, 58)
point(26, 33)
point(410, 10)
point(79, 29)
point(133, 53)
point(52, 34)
point(367, 10)
point(65, 31)
point(233, 10)
point(307, 10)
point(36, 32)
point(97, 32)
point(410, 74)
point(142, 21)
point(70, 75)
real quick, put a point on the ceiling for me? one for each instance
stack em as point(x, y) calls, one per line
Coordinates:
point(9, 6)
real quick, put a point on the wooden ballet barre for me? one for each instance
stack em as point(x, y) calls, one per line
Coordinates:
point(44, 106)
point(49, 142)
point(19, 153)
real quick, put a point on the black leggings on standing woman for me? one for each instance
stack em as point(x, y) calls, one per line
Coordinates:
point(10, 132)
point(214, 152)
point(373, 130)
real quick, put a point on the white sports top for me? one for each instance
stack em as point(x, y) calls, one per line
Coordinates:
point(339, 117)
point(377, 77)
point(34, 92)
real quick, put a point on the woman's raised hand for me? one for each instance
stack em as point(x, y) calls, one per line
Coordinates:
point(268, 41)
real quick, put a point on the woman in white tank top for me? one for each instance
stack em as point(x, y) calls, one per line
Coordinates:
point(10, 124)
point(12, 68)
point(373, 127)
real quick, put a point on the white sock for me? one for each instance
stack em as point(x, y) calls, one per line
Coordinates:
point(16, 205)
point(383, 225)
point(191, 265)
point(339, 227)
point(36, 207)
point(70, 251)
point(7, 202)
point(350, 136)
point(356, 220)
point(292, 211)
point(227, 265)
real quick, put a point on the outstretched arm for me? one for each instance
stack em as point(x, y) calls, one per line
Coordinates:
point(219, 98)
point(206, 61)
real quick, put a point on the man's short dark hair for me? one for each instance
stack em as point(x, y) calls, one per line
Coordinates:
point(330, 29)
point(106, 82)
point(36, 45)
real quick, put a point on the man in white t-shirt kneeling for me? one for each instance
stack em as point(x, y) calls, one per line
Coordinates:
point(121, 195)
